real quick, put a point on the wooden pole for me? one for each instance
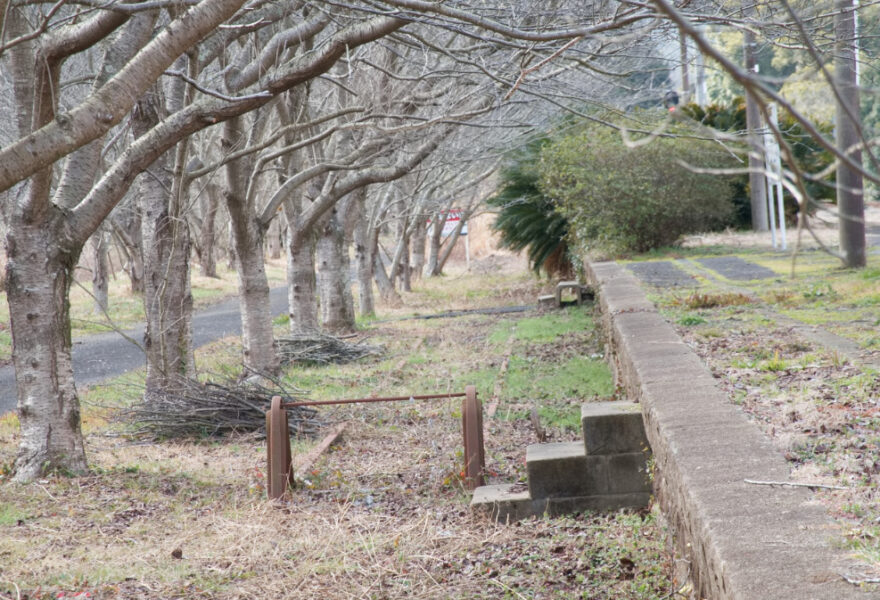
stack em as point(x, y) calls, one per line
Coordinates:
point(278, 468)
point(472, 432)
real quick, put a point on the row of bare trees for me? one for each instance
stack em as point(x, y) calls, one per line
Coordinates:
point(330, 121)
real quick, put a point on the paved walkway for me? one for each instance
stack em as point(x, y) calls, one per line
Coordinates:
point(102, 356)
point(722, 271)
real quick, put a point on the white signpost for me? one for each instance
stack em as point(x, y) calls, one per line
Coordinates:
point(773, 173)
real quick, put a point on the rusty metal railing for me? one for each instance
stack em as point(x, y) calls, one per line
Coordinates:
point(279, 476)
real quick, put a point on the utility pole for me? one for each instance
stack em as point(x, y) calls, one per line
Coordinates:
point(850, 190)
point(757, 189)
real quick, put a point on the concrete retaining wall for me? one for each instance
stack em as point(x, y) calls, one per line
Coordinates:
point(738, 540)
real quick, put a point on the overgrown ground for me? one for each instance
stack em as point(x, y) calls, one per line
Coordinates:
point(383, 515)
point(818, 401)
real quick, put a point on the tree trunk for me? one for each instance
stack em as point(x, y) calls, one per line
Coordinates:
point(258, 342)
point(208, 232)
point(128, 233)
point(100, 270)
point(453, 239)
point(168, 299)
point(39, 312)
point(850, 189)
point(302, 295)
point(432, 269)
point(757, 186)
point(363, 258)
point(334, 272)
point(386, 291)
point(418, 238)
point(274, 239)
point(403, 267)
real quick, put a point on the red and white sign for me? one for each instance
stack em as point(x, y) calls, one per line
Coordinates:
point(453, 218)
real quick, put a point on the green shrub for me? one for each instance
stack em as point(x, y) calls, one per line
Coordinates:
point(527, 220)
point(619, 199)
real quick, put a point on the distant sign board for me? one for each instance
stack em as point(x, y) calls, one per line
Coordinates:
point(453, 218)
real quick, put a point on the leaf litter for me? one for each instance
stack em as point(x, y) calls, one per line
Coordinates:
point(382, 515)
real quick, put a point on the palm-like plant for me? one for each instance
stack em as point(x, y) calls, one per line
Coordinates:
point(527, 219)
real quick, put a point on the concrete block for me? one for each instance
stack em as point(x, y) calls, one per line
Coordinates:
point(613, 427)
point(574, 286)
point(505, 503)
point(562, 469)
point(547, 300)
point(628, 473)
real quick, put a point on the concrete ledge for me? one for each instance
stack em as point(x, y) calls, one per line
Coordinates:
point(742, 541)
point(510, 502)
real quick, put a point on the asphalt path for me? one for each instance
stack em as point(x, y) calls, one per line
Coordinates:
point(102, 356)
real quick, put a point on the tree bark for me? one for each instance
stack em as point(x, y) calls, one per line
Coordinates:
point(101, 271)
point(434, 267)
point(168, 299)
point(363, 258)
point(850, 187)
point(258, 342)
point(128, 232)
point(302, 295)
point(274, 239)
point(39, 313)
point(208, 232)
point(418, 239)
point(334, 272)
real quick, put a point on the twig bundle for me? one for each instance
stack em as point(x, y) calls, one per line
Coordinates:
point(317, 348)
point(191, 409)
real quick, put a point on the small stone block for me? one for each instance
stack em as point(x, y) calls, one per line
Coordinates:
point(547, 300)
point(613, 428)
point(568, 285)
point(505, 502)
point(561, 469)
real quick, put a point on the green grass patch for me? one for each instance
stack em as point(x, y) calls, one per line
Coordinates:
point(548, 327)
point(579, 377)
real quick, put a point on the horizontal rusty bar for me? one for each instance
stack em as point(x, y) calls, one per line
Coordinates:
point(364, 400)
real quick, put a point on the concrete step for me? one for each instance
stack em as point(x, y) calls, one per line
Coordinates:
point(613, 428)
point(564, 470)
point(510, 502)
point(608, 470)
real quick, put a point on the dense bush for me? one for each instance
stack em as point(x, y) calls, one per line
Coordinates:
point(528, 220)
point(619, 199)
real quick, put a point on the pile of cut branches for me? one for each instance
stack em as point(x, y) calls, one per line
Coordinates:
point(194, 409)
point(316, 348)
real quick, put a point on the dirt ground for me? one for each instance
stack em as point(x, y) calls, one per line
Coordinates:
point(382, 515)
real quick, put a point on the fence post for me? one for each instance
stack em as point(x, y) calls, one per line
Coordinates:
point(279, 473)
point(472, 432)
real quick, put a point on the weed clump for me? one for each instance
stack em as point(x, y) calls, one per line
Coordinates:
point(698, 300)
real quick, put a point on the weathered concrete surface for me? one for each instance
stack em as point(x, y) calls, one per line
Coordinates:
point(742, 541)
point(564, 478)
point(613, 428)
point(662, 273)
point(510, 502)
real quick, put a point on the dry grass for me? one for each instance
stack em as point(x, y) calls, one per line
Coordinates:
point(382, 515)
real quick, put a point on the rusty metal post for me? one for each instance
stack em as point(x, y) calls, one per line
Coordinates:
point(278, 469)
point(472, 432)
